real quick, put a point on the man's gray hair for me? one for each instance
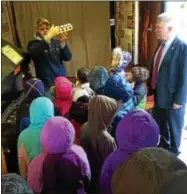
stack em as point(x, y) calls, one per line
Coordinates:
point(167, 19)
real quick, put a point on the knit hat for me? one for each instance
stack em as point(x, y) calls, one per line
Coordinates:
point(97, 78)
point(120, 59)
point(33, 88)
point(148, 171)
point(14, 184)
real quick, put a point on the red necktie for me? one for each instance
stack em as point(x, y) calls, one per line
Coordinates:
point(155, 68)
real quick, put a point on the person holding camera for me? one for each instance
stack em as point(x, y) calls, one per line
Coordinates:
point(48, 53)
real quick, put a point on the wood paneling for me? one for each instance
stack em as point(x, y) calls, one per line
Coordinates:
point(155, 7)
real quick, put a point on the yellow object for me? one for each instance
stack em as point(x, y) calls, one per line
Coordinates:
point(57, 30)
point(53, 31)
point(66, 28)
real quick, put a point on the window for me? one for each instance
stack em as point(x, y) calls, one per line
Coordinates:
point(179, 9)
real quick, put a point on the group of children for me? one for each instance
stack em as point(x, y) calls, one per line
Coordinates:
point(90, 135)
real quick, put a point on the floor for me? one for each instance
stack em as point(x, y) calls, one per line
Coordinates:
point(183, 155)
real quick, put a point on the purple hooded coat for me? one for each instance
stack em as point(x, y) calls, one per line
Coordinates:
point(135, 131)
point(61, 167)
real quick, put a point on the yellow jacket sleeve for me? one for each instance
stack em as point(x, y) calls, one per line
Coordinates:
point(3, 163)
point(23, 161)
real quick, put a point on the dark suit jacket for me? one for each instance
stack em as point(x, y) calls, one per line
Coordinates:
point(172, 76)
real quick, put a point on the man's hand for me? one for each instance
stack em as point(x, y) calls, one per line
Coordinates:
point(63, 37)
point(52, 32)
point(176, 106)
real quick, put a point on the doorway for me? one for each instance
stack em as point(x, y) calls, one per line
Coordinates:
point(180, 11)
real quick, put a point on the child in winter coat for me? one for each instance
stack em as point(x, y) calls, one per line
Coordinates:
point(118, 88)
point(135, 131)
point(94, 137)
point(150, 171)
point(41, 110)
point(97, 79)
point(12, 183)
point(120, 60)
point(138, 76)
point(78, 115)
point(82, 85)
point(32, 89)
point(61, 167)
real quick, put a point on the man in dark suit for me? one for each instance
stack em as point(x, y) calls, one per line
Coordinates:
point(168, 83)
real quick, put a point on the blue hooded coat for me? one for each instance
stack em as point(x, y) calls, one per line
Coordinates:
point(119, 89)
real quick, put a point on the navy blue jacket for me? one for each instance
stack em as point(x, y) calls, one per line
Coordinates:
point(48, 60)
point(172, 76)
point(139, 93)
